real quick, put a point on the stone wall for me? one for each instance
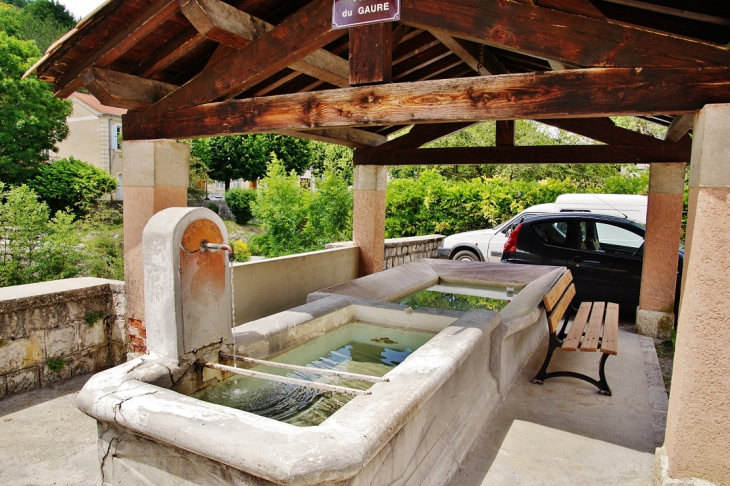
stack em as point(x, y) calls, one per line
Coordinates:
point(223, 211)
point(52, 331)
point(403, 250)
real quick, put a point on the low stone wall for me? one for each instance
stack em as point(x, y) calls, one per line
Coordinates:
point(403, 250)
point(52, 331)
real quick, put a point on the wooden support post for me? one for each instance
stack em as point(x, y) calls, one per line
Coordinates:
point(505, 133)
point(371, 54)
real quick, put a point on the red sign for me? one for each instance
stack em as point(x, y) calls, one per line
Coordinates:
point(349, 13)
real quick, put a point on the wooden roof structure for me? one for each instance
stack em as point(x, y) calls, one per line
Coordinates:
point(195, 68)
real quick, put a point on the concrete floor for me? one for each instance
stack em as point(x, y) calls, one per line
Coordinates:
point(560, 433)
point(564, 432)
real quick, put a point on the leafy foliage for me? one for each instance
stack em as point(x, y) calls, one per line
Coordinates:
point(71, 184)
point(334, 158)
point(41, 21)
point(247, 156)
point(239, 202)
point(296, 220)
point(32, 121)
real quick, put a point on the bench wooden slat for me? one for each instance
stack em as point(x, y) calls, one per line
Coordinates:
point(593, 331)
point(557, 290)
point(572, 341)
point(560, 308)
point(609, 343)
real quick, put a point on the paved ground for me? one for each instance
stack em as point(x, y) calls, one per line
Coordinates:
point(562, 433)
point(565, 433)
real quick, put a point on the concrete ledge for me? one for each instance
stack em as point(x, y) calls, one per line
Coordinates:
point(654, 323)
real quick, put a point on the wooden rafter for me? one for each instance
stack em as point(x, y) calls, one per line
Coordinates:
point(560, 36)
point(554, 154)
point(180, 45)
point(295, 38)
point(578, 7)
point(685, 14)
point(679, 127)
point(147, 20)
point(573, 93)
point(124, 90)
point(603, 130)
point(477, 57)
point(421, 135)
point(349, 137)
point(234, 28)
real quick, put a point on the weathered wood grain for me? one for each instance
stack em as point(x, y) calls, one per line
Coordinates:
point(296, 37)
point(349, 137)
point(554, 154)
point(505, 133)
point(560, 36)
point(124, 90)
point(579, 7)
point(371, 54)
point(573, 93)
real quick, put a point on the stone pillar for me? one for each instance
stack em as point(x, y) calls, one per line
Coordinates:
point(155, 177)
point(368, 225)
point(655, 316)
point(698, 420)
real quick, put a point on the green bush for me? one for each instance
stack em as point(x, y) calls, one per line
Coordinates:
point(241, 251)
point(71, 184)
point(239, 202)
point(214, 207)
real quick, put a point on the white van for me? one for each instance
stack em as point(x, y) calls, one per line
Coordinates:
point(486, 245)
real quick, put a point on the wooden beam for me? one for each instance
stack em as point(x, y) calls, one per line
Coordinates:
point(560, 36)
point(676, 12)
point(349, 137)
point(578, 7)
point(234, 28)
point(477, 57)
point(371, 54)
point(602, 130)
point(124, 90)
point(554, 154)
point(302, 33)
point(172, 50)
point(145, 21)
point(505, 136)
point(679, 127)
point(575, 93)
point(422, 134)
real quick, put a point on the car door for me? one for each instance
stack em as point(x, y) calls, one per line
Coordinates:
point(606, 264)
point(497, 241)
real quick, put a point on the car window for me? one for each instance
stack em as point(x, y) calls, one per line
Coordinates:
point(618, 240)
point(552, 232)
point(510, 225)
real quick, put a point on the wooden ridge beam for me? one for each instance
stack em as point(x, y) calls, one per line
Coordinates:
point(302, 33)
point(679, 127)
point(124, 90)
point(554, 154)
point(144, 22)
point(535, 31)
point(235, 28)
point(573, 93)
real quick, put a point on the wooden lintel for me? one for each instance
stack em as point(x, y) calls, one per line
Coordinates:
point(299, 35)
point(584, 41)
point(371, 54)
point(349, 137)
point(575, 93)
point(124, 90)
point(148, 19)
point(505, 133)
point(679, 127)
point(554, 154)
point(229, 26)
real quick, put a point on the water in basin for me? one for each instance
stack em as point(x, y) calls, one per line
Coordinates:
point(461, 297)
point(355, 348)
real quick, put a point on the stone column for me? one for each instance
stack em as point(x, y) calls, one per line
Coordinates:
point(155, 177)
point(655, 316)
point(368, 225)
point(698, 420)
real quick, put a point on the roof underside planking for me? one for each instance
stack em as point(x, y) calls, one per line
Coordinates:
point(195, 68)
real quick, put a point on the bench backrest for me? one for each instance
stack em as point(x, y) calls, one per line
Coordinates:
point(558, 298)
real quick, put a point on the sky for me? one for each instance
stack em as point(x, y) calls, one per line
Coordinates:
point(81, 8)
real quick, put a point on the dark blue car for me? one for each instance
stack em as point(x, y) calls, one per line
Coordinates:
point(604, 253)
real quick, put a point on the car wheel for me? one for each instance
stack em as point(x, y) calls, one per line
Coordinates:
point(466, 255)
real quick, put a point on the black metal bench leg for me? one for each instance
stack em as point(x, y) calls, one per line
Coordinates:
point(542, 374)
point(602, 385)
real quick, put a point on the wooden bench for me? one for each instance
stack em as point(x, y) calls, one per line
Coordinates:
point(594, 328)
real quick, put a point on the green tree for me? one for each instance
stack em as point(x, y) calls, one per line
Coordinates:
point(70, 184)
point(247, 156)
point(35, 247)
point(330, 211)
point(32, 120)
point(240, 202)
point(41, 21)
point(334, 158)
